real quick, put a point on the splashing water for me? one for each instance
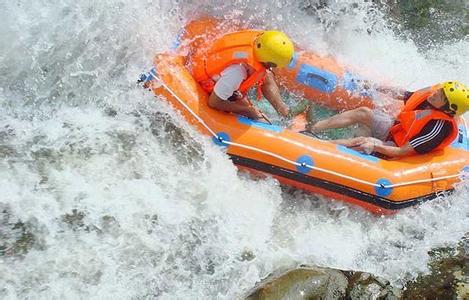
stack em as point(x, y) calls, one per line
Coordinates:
point(107, 192)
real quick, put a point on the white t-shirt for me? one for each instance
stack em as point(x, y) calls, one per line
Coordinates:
point(229, 81)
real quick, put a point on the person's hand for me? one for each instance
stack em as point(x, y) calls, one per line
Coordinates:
point(366, 144)
point(355, 142)
point(366, 147)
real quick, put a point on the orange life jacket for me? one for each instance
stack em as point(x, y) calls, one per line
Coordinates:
point(411, 121)
point(232, 48)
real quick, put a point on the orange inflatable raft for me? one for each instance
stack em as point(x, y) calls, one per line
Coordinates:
point(377, 184)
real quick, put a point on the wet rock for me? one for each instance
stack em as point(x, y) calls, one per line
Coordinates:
point(25, 239)
point(152, 221)
point(303, 283)
point(6, 133)
point(7, 151)
point(75, 220)
point(109, 225)
point(366, 286)
point(111, 112)
point(312, 5)
point(17, 238)
point(462, 285)
point(430, 21)
point(426, 22)
point(247, 255)
point(448, 277)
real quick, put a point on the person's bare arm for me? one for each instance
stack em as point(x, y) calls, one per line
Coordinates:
point(370, 145)
point(272, 94)
point(350, 143)
point(394, 151)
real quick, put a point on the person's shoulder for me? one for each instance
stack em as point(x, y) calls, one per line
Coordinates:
point(431, 135)
point(447, 126)
point(235, 69)
point(235, 74)
point(440, 125)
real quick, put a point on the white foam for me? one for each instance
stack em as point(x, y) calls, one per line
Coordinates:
point(164, 211)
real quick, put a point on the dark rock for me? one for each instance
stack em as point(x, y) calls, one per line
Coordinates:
point(366, 286)
point(75, 220)
point(302, 283)
point(17, 238)
point(247, 256)
point(448, 277)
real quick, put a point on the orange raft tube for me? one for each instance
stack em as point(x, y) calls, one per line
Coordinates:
point(379, 185)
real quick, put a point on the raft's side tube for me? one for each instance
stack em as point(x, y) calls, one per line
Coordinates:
point(324, 81)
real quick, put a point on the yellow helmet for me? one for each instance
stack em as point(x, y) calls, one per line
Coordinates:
point(457, 95)
point(273, 47)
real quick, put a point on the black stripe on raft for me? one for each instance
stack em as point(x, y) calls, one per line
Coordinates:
point(330, 186)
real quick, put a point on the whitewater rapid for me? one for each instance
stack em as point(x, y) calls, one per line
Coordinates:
point(119, 198)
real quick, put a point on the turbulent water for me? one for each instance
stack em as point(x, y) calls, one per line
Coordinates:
point(107, 193)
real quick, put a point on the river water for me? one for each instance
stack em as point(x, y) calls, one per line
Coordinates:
point(107, 193)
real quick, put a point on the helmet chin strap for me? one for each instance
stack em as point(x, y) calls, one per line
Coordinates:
point(269, 65)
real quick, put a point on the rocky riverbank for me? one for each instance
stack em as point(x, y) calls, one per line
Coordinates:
point(448, 279)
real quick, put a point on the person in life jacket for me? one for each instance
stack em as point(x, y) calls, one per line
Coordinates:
point(232, 64)
point(425, 123)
